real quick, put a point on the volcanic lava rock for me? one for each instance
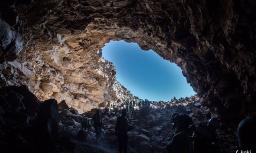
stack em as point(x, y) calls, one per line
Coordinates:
point(212, 41)
point(27, 125)
point(33, 126)
point(10, 42)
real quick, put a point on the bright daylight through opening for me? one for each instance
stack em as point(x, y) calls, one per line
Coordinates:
point(145, 74)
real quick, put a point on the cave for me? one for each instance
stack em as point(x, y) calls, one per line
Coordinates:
point(144, 73)
point(52, 47)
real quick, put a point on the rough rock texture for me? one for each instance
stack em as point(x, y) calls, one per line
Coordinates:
point(213, 41)
point(150, 131)
point(27, 125)
point(10, 44)
point(122, 95)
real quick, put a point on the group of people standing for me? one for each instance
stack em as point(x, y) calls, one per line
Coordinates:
point(187, 138)
point(190, 139)
point(203, 139)
point(121, 129)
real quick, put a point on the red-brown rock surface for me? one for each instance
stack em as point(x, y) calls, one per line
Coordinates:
point(213, 41)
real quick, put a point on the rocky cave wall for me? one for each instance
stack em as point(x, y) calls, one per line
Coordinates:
point(213, 41)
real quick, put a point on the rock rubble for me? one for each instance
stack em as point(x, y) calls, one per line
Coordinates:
point(150, 131)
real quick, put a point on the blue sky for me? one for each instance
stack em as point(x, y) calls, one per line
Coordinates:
point(144, 73)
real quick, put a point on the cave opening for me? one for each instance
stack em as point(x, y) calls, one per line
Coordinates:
point(212, 41)
point(145, 73)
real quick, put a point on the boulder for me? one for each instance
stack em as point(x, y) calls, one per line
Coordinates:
point(10, 42)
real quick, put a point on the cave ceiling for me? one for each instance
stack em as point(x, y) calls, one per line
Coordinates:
point(213, 41)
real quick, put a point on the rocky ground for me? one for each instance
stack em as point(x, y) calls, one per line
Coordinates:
point(27, 124)
point(150, 131)
point(57, 44)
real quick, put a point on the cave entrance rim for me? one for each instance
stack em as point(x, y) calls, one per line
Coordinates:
point(144, 73)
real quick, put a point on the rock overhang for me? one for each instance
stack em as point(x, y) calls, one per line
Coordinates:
point(207, 42)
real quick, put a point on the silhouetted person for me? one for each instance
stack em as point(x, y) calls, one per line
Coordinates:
point(206, 138)
point(97, 123)
point(82, 132)
point(47, 126)
point(121, 132)
point(247, 134)
point(181, 141)
point(212, 126)
point(84, 123)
